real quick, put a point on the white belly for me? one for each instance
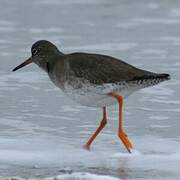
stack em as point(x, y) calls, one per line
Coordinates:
point(92, 95)
point(97, 96)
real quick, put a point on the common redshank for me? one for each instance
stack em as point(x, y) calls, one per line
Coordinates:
point(93, 80)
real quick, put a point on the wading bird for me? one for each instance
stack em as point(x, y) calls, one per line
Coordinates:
point(92, 80)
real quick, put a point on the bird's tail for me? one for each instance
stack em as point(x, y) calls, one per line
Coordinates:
point(163, 77)
point(150, 80)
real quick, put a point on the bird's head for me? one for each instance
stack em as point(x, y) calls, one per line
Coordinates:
point(42, 52)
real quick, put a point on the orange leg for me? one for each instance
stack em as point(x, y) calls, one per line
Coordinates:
point(121, 133)
point(101, 126)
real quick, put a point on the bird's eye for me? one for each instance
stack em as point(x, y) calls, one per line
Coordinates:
point(34, 52)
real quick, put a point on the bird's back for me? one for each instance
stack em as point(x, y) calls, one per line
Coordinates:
point(101, 69)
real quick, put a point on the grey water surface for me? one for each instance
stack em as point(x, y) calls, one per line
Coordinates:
point(42, 131)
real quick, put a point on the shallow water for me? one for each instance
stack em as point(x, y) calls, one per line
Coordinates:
point(42, 131)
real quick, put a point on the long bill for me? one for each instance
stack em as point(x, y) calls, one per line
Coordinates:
point(28, 61)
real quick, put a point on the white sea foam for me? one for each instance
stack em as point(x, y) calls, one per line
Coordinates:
point(69, 176)
point(83, 176)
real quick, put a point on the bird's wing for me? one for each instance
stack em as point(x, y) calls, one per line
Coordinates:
point(101, 69)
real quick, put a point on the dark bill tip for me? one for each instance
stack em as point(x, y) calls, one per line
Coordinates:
point(28, 61)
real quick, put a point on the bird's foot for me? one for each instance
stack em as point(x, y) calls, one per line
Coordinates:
point(124, 138)
point(86, 147)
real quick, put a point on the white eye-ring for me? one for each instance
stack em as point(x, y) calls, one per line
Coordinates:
point(34, 52)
